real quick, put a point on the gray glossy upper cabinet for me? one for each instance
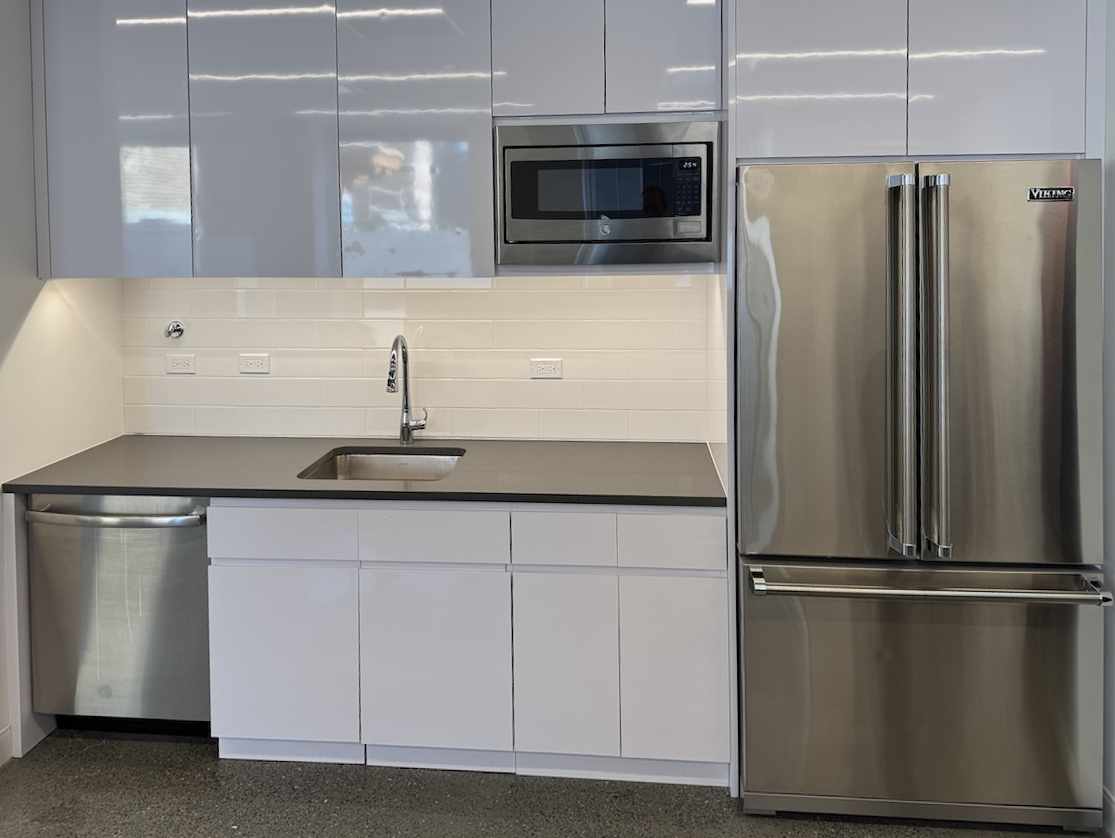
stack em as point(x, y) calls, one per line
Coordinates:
point(416, 138)
point(263, 115)
point(663, 55)
point(821, 79)
point(117, 138)
point(548, 57)
point(997, 77)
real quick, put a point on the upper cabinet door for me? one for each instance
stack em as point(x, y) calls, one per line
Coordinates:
point(997, 77)
point(548, 57)
point(821, 79)
point(263, 118)
point(416, 138)
point(663, 55)
point(118, 152)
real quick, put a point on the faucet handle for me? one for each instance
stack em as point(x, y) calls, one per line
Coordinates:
point(419, 424)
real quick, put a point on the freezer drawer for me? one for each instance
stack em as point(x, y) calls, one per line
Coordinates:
point(119, 621)
point(949, 693)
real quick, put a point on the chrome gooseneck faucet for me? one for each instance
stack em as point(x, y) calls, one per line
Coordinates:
point(401, 358)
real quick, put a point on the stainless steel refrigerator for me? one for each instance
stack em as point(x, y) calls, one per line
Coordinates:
point(919, 435)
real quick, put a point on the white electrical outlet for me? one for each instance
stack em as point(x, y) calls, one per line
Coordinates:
point(181, 364)
point(255, 363)
point(546, 368)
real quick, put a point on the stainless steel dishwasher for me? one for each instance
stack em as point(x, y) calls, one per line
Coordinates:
point(119, 606)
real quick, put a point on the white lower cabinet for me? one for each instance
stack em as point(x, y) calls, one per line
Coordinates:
point(435, 658)
point(673, 648)
point(582, 642)
point(566, 663)
point(284, 660)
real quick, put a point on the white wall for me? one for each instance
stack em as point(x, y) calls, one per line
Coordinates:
point(642, 356)
point(60, 360)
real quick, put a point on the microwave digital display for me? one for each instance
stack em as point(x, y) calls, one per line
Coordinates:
point(621, 188)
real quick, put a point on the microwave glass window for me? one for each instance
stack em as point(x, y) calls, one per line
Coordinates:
point(564, 190)
point(660, 187)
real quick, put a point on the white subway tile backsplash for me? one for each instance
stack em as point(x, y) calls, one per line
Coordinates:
point(449, 334)
point(644, 395)
point(601, 334)
point(278, 421)
point(319, 303)
point(380, 305)
point(643, 356)
point(670, 425)
point(211, 302)
point(159, 419)
point(584, 424)
point(513, 424)
point(356, 334)
point(318, 363)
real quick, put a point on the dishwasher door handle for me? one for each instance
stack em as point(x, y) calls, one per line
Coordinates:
point(1090, 593)
point(130, 522)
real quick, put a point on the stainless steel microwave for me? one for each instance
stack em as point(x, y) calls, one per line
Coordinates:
point(608, 193)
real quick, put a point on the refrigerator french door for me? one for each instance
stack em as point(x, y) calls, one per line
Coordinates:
point(919, 462)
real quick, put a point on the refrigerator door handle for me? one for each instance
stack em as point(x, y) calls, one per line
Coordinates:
point(901, 395)
point(936, 524)
point(1090, 593)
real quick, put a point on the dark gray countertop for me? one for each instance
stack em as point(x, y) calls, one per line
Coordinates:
point(653, 473)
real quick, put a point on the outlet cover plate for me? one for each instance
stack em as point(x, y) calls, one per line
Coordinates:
point(255, 363)
point(546, 368)
point(179, 364)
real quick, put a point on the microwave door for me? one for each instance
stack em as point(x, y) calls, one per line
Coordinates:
point(605, 194)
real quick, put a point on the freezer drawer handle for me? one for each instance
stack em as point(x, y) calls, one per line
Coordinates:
point(131, 522)
point(1091, 594)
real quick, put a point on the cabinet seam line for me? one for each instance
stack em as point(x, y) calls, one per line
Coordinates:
point(511, 590)
point(340, 184)
point(190, 146)
point(907, 76)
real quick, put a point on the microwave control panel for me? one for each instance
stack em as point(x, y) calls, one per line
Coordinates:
point(688, 186)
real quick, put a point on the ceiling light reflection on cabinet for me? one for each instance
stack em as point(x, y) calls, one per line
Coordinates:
point(284, 11)
point(698, 68)
point(692, 105)
point(792, 97)
point(149, 117)
point(263, 77)
point(151, 21)
point(373, 13)
point(411, 112)
point(976, 53)
point(451, 76)
point(820, 54)
point(279, 12)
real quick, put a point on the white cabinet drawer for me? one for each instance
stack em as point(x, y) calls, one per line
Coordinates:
point(474, 536)
point(277, 533)
point(564, 538)
point(669, 540)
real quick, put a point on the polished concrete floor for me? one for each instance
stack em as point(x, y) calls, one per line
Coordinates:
point(80, 784)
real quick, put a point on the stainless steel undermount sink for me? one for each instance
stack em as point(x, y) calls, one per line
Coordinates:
point(384, 463)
